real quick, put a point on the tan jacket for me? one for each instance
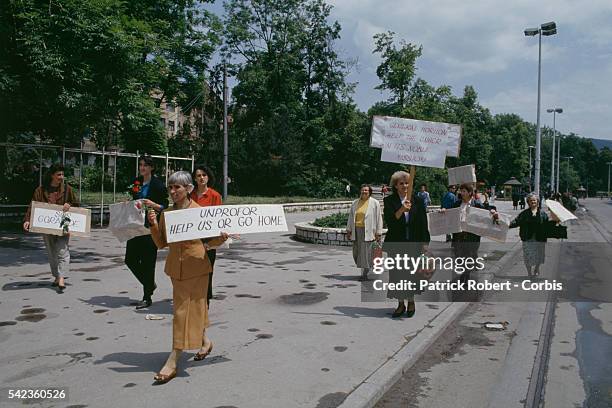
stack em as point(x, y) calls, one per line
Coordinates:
point(41, 195)
point(186, 259)
point(373, 220)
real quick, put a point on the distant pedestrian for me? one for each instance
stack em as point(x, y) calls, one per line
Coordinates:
point(206, 196)
point(522, 201)
point(515, 199)
point(424, 195)
point(347, 190)
point(55, 191)
point(364, 228)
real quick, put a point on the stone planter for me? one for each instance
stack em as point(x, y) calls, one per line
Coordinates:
point(306, 232)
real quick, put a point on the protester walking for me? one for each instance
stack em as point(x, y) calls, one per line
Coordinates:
point(188, 267)
point(364, 228)
point(141, 252)
point(533, 226)
point(55, 191)
point(515, 200)
point(466, 244)
point(206, 196)
point(407, 233)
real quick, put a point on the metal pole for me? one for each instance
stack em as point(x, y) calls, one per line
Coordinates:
point(530, 167)
point(538, 134)
point(40, 168)
point(558, 161)
point(552, 163)
point(609, 163)
point(81, 174)
point(166, 169)
point(63, 155)
point(225, 135)
point(192, 163)
point(115, 179)
point(567, 178)
point(102, 193)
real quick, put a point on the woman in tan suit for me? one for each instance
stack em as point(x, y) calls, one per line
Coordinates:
point(188, 267)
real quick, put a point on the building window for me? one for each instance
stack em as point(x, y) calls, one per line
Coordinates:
point(169, 107)
point(162, 122)
point(171, 125)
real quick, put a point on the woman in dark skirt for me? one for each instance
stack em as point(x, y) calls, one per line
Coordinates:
point(407, 234)
point(533, 224)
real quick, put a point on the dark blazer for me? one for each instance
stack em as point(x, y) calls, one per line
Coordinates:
point(157, 193)
point(532, 226)
point(416, 226)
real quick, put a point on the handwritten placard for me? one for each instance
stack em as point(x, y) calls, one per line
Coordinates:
point(480, 222)
point(412, 141)
point(444, 222)
point(462, 174)
point(205, 222)
point(46, 219)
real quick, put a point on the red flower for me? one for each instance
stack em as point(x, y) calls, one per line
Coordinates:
point(135, 189)
point(137, 183)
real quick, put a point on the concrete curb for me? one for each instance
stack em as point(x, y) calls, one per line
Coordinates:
point(372, 389)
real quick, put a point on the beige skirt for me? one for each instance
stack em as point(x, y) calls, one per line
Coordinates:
point(190, 312)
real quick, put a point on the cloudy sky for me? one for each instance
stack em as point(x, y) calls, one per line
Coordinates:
point(481, 43)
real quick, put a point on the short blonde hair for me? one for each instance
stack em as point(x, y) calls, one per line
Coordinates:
point(398, 175)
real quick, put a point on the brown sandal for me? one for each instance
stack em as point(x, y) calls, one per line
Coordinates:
point(201, 356)
point(163, 378)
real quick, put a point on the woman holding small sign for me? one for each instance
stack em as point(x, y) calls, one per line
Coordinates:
point(364, 228)
point(188, 267)
point(55, 191)
point(407, 233)
point(206, 196)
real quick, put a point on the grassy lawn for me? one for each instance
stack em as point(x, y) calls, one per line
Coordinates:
point(93, 198)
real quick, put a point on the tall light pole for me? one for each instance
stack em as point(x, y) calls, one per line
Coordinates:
point(225, 133)
point(552, 163)
point(558, 161)
point(545, 29)
point(530, 166)
point(567, 176)
point(609, 163)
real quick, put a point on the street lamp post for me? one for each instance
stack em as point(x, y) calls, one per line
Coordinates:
point(545, 29)
point(567, 176)
point(558, 161)
point(530, 167)
point(609, 163)
point(225, 133)
point(552, 163)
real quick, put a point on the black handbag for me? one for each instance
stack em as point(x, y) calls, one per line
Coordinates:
point(556, 231)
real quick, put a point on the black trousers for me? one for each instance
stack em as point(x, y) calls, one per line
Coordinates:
point(212, 255)
point(140, 257)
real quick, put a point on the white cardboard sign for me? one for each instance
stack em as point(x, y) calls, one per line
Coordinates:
point(462, 174)
point(444, 222)
point(560, 211)
point(406, 135)
point(480, 222)
point(46, 218)
point(205, 222)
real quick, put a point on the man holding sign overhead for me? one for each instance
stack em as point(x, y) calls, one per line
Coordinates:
point(55, 191)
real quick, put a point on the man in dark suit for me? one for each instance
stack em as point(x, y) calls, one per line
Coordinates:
point(141, 252)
